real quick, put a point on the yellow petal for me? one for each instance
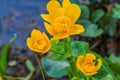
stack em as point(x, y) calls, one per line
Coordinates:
point(1, 78)
point(61, 35)
point(46, 49)
point(48, 46)
point(73, 11)
point(53, 5)
point(66, 3)
point(49, 29)
point(30, 46)
point(76, 29)
point(45, 37)
point(61, 11)
point(79, 62)
point(29, 43)
point(53, 9)
point(99, 64)
point(90, 56)
point(89, 74)
point(35, 33)
point(45, 17)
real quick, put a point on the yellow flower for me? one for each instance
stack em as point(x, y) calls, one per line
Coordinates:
point(38, 42)
point(60, 20)
point(1, 78)
point(87, 65)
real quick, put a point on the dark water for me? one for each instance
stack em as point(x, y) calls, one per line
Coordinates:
point(20, 17)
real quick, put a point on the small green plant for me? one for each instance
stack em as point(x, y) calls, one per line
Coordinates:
point(3, 63)
point(3, 57)
point(98, 19)
point(66, 56)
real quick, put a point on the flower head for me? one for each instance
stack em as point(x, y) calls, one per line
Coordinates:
point(1, 78)
point(60, 20)
point(38, 42)
point(87, 65)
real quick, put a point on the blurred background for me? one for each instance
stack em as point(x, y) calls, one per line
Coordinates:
point(20, 17)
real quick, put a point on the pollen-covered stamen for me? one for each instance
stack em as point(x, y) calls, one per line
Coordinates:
point(62, 24)
point(39, 44)
point(89, 67)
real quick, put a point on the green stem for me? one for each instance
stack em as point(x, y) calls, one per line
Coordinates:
point(28, 77)
point(69, 45)
point(56, 52)
point(18, 78)
point(71, 59)
point(87, 77)
point(65, 45)
point(72, 66)
point(40, 66)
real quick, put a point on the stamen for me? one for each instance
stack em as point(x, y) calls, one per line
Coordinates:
point(62, 24)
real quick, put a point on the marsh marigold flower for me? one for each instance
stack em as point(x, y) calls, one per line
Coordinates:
point(87, 65)
point(60, 20)
point(1, 78)
point(38, 42)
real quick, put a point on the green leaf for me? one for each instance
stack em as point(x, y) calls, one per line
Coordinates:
point(75, 1)
point(116, 62)
point(103, 74)
point(92, 1)
point(108, 23)
point(3, 59)
point(79, 48)
point(116, 11)
point(13, 39)
point(57, 51)
point(58, 48)
point(96, 15)
point(111, 27)
point(30, 66)
point(85, 23)
point(53, 68)
point(118, 77)
point(12, 63)
point(55, 56)
point(91, 30)
point(84, 12)
point(107, 77)
point(69, 71)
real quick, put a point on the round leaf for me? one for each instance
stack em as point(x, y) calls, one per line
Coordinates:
point(96, 15)
point(84, 12)
point(91, 30)
point(53, 68)
point(79, 47)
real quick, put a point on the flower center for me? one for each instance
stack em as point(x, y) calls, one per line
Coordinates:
point(62, 24)
point(89, 66)
point(39, 44)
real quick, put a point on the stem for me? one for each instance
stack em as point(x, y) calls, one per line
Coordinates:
point(69, 45)
point(72, 66)
point(18, 78)
point(87, 77)
point(65, 45)
point(71, 59)
point(40, 66)
point(28, 77)
point(56, 52)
